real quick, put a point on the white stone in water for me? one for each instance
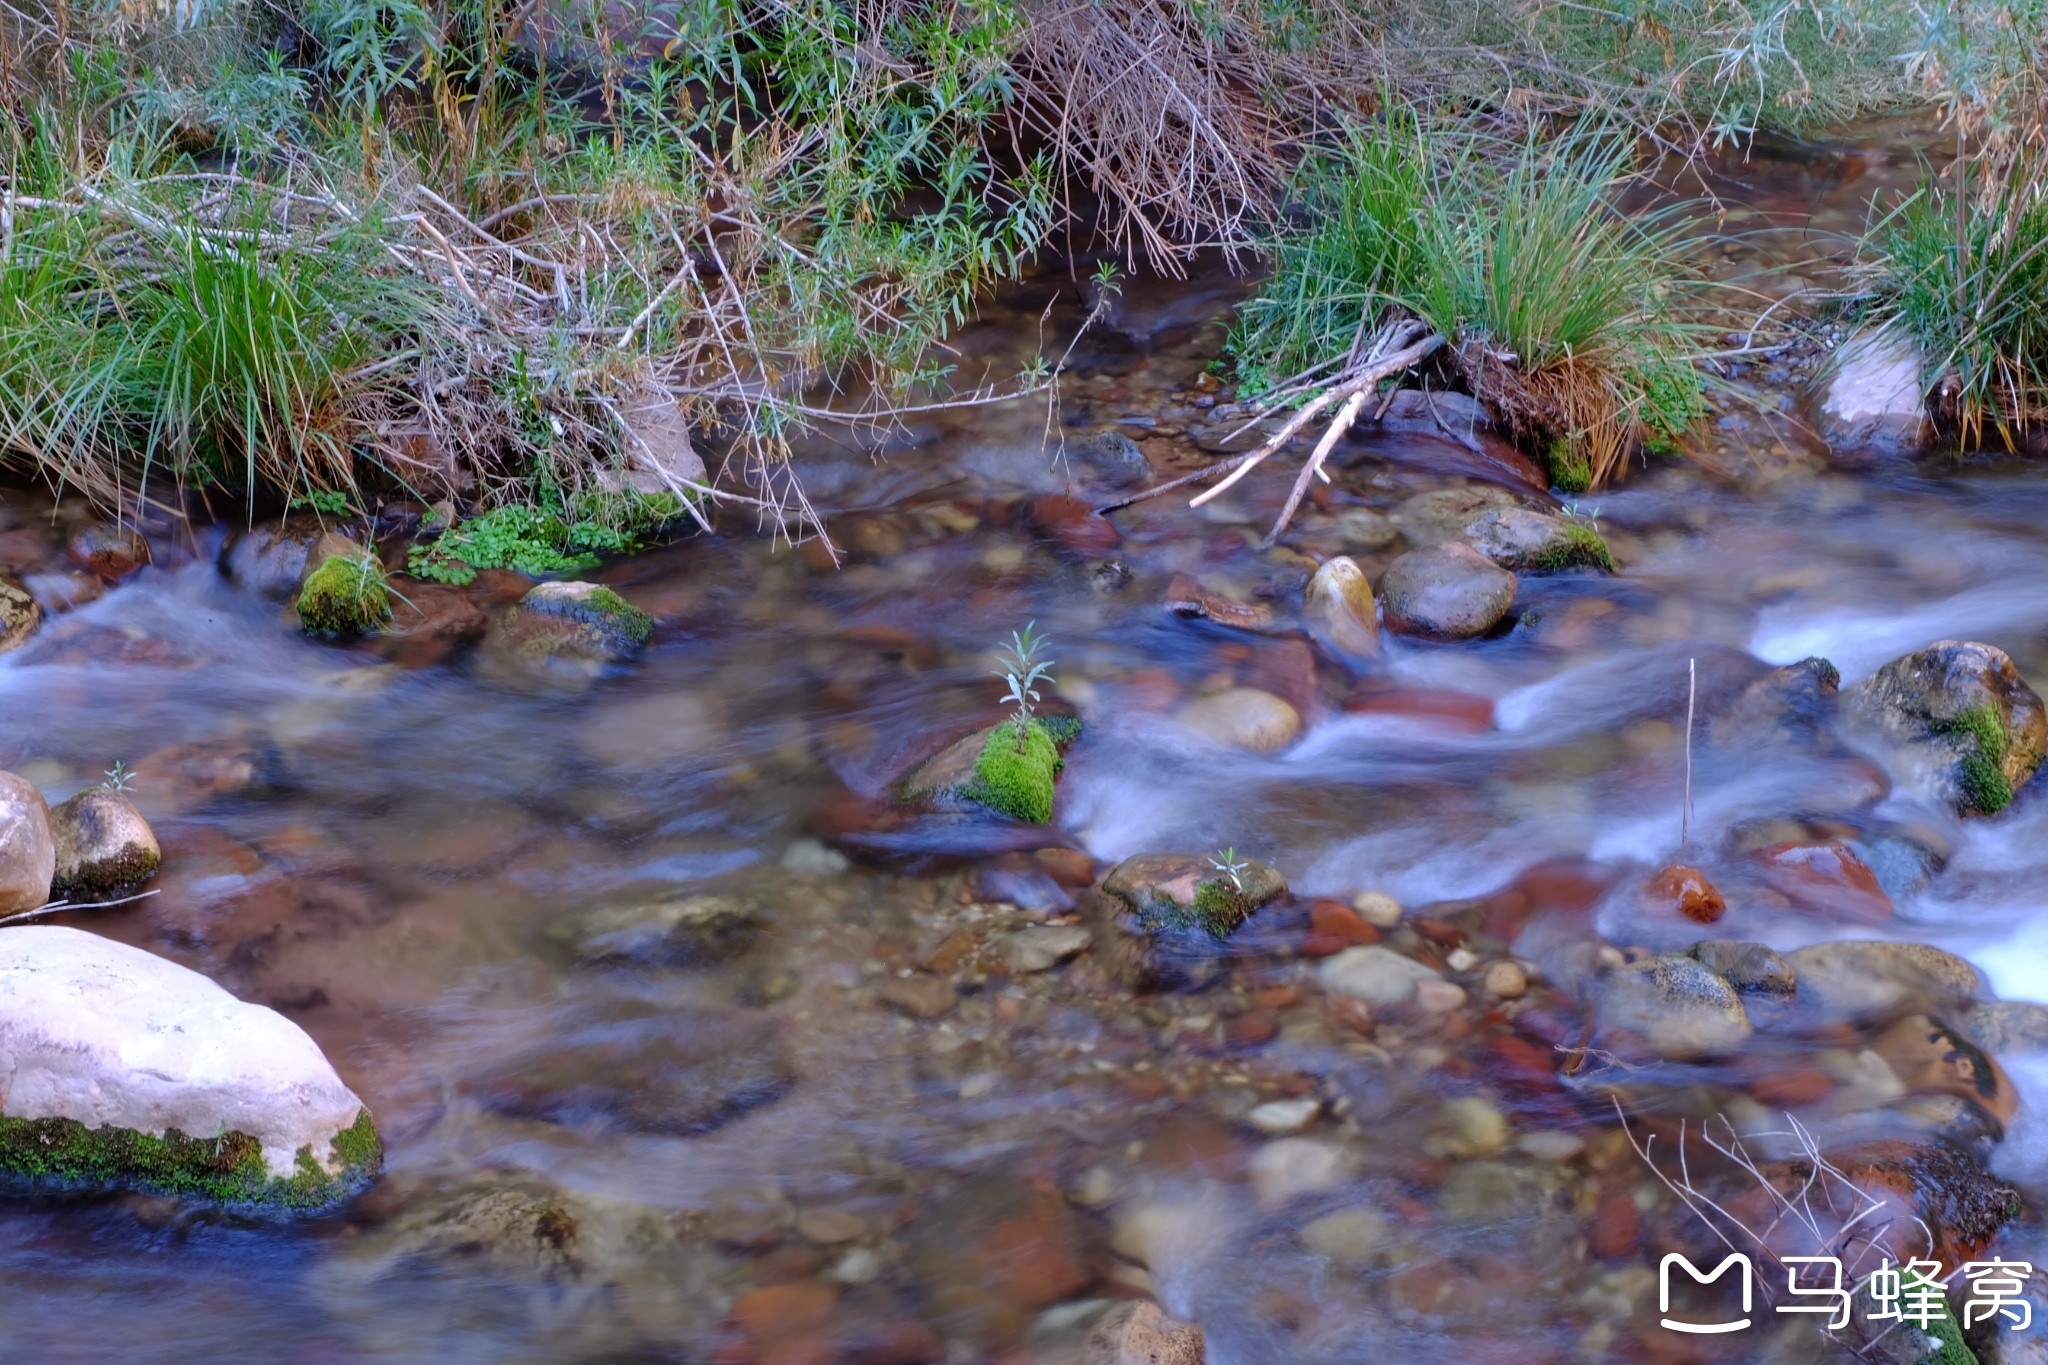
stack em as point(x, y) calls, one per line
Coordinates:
point(1377, 908)
point(1378, 976)
point(1284, 1118)
point(112, 1036)
point(1293, 1167)
point(810, 858)
point(1550, 1144)
point(857, 1266)
point(1462, 959)
point(1873, 398)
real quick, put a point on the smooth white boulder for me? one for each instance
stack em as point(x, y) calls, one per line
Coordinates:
point(112, 1036)
point(1872, 399)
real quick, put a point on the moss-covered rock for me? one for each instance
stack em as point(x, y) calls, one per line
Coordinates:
point(990, 769)
point(604, 621)
point(345, 596)
point(1187, 891)
point(1966, 728)
point(127, 1071)
point(103, 845)
point(226, 1167)
point(1519, 539)
point(1016, 778)
point(562, 636)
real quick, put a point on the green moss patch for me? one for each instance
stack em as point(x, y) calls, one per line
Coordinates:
point(227, 1168)
point(1219, 907)
point(1981, 746)
point(1017, 780)
point(624, 625)
point(1569, 469)
point(1579, 547)
point(346, 595)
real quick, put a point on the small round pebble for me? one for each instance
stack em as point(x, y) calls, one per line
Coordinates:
point(1377, 908)
point(1505, 981)
point(1284, 1118)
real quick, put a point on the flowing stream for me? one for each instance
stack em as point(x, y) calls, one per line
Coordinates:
point(785, 1147)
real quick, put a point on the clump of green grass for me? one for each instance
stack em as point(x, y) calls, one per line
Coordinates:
point(1968, 284)
point(135, 339)
point(1565, 316)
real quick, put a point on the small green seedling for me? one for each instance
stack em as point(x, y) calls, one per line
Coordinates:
point(1021, 672)
point(1230, 865)
point(119, 777)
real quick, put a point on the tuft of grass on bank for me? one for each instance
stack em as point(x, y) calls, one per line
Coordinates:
point(462, 247)
point(1971, 290)
point(1568, 318)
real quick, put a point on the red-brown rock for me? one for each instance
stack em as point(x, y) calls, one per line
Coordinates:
point(1074, 525)
point(1685, 891)
point(1459, 711)
point(1827, 879)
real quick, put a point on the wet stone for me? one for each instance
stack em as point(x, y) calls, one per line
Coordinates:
point(1112, 456)
point(1284, 1118)
point(662, 931)
point(1244, 718)
point(1684, 891)
point(1442, 515)
point(2008, 1027)
point(106, 551)
point(1873, 980)
point(1676, 1005)
point(630, 1065)
point(1187, 891)
point(1793, 705)
point(271, 558)
point(28, 849)
point(991, 1253)
point(1378, 976)
point(920, 997)
point(1965, 727)
point(1340, 609)
point(1449, 592)
point(1029, 951)
point(1751, 968)
point(1827, 879)
point(20, 614)
point(1143, 1334)
point(103, 845)
point(1930, 1056)
point(1525, 541)
point(1293, 1168)
point(1363, 530)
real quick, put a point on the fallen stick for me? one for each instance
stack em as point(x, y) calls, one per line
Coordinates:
point(1356, 386)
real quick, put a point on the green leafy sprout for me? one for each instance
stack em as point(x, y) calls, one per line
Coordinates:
point(1230, 865)
point(119, 777)
point(1021, 672)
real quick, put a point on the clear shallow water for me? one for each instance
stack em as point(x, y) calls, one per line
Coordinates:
point(389, 854)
